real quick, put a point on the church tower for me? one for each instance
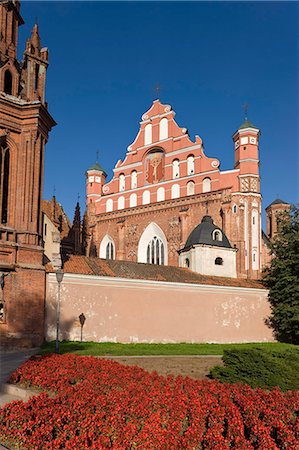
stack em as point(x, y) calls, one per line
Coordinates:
point(24, 127)
point(248, 199)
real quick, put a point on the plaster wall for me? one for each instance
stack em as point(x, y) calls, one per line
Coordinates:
point(126, 310)
point(202, 260)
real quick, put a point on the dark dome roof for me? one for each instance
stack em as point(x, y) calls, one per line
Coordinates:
point(247, 124)
point(97, 167)
point(203, 234)
point(278, 201)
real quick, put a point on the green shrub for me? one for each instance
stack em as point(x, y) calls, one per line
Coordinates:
point(260, 368)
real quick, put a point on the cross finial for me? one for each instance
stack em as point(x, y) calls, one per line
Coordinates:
point(158, 89)
point(54, 190)
point(78, 197)
point(245, 107)
point(97, 153)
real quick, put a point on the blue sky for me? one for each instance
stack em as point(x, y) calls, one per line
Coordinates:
point(209, 58)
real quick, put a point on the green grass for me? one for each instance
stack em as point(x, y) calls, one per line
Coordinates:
point(113, 349)
point(258, 367)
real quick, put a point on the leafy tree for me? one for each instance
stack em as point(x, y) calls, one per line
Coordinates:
point(282, 278)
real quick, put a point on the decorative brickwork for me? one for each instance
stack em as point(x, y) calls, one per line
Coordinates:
point(167, 179)
point(24, 127)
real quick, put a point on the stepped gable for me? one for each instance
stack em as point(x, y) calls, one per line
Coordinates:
point(85, 265)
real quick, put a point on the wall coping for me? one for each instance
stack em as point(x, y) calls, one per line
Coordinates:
point(92, 280)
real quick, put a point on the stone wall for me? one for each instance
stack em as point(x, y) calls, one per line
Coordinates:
point(126, 310)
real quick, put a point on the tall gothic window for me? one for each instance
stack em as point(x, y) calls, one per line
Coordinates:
point(110, 250)
point(4, 178)
point(107, 248)
point(155, 251)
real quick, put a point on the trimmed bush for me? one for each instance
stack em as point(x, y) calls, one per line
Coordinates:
point(260, 368)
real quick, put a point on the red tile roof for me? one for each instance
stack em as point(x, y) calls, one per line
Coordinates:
point(127, 269)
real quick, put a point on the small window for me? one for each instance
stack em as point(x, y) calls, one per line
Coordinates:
point(253, 220)
point(148, 134)
point(121, 203)
point(45, 229)
point(133, 200)
point(190, 188)
point(176, 169)
point(122, 182)
point(190, 165)
point(219, 261)
point(160, 194)
point(187, 263)
point(8, 82)
point(253, 256)
point(109, 205)
point(134, 179)
point(217, 235)
point(163, 132)
point(234, 209)
point(175, 191)
point(206, 185)
point(146, 197)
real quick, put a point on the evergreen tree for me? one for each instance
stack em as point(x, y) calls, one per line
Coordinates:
point(282, 278)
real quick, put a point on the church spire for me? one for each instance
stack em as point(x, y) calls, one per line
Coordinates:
point(10, 20)
point(35, 64)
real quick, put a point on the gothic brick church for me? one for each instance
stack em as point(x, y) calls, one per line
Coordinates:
point(164, 188)
point(24, 127)
point(167, 204)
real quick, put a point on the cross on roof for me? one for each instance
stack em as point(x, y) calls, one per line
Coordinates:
point(245, 107)
point(158, 89)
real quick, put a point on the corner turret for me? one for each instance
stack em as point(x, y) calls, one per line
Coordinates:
point(246, 140)
point(95, 179)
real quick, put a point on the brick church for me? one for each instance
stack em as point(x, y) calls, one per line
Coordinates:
point(165, 187)
point(167, 204)
point(25, 123)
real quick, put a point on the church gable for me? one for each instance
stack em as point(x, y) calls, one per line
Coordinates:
point(159, 165)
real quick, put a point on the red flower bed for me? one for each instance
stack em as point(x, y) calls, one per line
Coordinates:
point(100, 404)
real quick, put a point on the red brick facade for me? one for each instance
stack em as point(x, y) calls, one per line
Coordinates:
point(24, 127)
point(167, 180)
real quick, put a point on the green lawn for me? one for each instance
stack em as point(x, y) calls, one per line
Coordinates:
point(112, 349)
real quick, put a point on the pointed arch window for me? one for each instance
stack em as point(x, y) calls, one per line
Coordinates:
point(110, 250)
point(152, 246)
point(8, 82)
point(107, 248)
point(155, 251)
point(4, 180)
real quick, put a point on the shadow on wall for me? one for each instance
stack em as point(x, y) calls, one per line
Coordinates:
point(69, 330)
